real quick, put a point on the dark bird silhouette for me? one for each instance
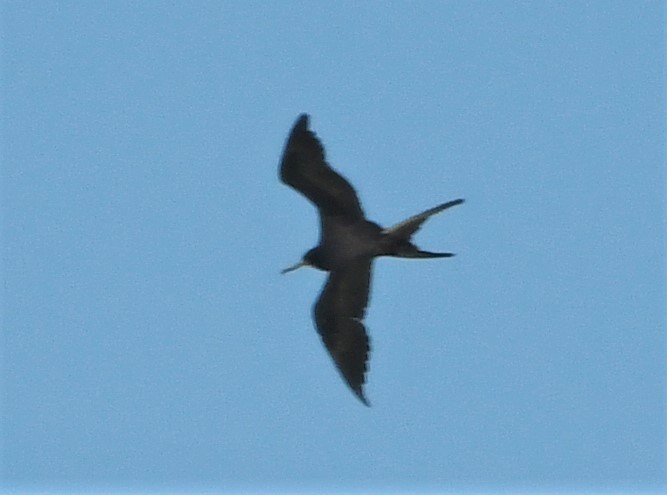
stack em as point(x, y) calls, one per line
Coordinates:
point(348, 244)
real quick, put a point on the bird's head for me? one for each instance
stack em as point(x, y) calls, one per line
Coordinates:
point(311, 258)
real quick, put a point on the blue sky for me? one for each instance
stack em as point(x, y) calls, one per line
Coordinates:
point(149, 343)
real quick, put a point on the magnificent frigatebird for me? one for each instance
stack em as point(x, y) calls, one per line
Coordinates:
point(348, 244)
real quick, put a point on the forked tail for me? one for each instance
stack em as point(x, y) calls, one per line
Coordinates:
point(397, 238)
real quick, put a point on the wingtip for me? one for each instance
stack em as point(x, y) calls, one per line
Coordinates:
point(301, 125)
point(302, 120)
point(360, 395)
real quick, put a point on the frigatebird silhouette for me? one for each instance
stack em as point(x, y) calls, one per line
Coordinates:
point(348, 244)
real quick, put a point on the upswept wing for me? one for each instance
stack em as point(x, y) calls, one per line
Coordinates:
point(339, 312)
point(304, 168)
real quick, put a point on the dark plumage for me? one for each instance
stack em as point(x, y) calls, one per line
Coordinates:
point(348, 244)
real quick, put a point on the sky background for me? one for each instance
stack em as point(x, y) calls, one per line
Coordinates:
point(149, 342)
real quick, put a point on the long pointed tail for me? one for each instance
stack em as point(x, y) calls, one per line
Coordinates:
point(398, 236)
point(417, 253)
point(406, 228)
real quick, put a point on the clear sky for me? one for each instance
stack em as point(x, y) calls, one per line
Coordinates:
point(149, 342)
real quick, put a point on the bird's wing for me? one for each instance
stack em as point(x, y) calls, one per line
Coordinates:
point(304, 168)
point(338, 314)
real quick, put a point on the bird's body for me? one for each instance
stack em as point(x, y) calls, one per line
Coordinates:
point(348, 244)
point(344, 242)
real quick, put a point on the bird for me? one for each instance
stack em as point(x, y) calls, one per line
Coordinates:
point(347, 247)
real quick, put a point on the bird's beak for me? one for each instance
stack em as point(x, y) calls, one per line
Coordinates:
point(294, 267)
